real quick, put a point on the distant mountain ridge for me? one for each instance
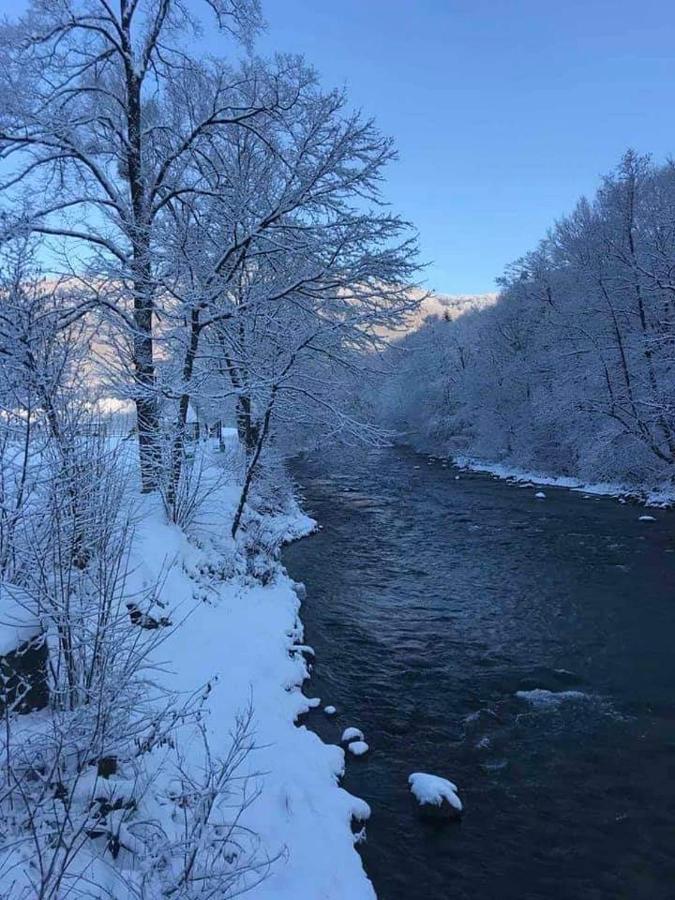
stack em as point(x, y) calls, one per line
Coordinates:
point(451, 305)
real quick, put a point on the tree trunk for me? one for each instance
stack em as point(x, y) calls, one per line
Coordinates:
point(178, 448)
point(147, 402)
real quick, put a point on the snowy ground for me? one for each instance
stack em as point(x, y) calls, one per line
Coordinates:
point(235, 643)
point(239, 637)
point(662, 497)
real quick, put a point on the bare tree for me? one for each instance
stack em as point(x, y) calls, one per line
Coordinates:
point(103, 116)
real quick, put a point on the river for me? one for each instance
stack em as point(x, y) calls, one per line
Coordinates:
point(523, 648)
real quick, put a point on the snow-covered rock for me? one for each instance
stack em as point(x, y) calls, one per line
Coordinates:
point(436, 797)
point(351, 734)
point(329, 710)
point(646, 519)
point(358, 748)
point(540, 495)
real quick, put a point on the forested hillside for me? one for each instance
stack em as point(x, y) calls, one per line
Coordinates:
point(573, 370)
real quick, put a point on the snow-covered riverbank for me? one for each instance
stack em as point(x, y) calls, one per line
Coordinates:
point(208, 779)
point(663, 496)
point(243, 639)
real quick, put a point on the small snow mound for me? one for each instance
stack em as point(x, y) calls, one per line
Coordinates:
point(456, 477)
point(313, 702)
point(351, 734)
point(539, 697)
point(329, 710)
point(432, 790)
point(18, 619)
point(540, 495)
point(646, 519)
point(358, 748)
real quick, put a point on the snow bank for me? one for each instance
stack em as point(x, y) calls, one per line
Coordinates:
point(663, 496)
point(241, 638)
point(432, 790)
point(19, 621)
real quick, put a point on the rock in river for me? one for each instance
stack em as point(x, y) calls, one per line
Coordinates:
point(436, 797)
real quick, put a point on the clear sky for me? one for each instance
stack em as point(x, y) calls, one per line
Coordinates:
point(503, 111)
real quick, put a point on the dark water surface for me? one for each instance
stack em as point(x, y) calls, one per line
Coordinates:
point(433, 601)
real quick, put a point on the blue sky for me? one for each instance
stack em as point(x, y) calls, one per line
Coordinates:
point(503, 111)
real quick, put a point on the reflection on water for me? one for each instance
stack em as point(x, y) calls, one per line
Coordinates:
point(521, 647)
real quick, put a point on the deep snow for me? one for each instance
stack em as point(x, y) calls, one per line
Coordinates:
point(245, 640)
point(18, 622)
point(236, 644)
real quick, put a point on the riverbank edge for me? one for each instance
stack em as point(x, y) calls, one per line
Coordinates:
point(663, 497)
point(222, 661)
point(302, 815)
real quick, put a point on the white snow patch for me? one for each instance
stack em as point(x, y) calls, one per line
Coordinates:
point(329, 710)
point(19, 621)
point(540, 495)
point(646, 519)
point(432, 790)
point(662, 496)
point(351, 734)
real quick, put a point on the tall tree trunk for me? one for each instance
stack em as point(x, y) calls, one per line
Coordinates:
point(253, 463)
point(146, 399)
point(248, 430)
point(178, 448)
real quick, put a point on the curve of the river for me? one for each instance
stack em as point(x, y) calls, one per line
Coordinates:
point(523, 648)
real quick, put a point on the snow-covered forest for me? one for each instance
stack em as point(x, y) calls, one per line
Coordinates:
point(572, 371)
point(201, 275)
point(193, 249)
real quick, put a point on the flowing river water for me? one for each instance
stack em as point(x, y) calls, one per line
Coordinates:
point(523, 648)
